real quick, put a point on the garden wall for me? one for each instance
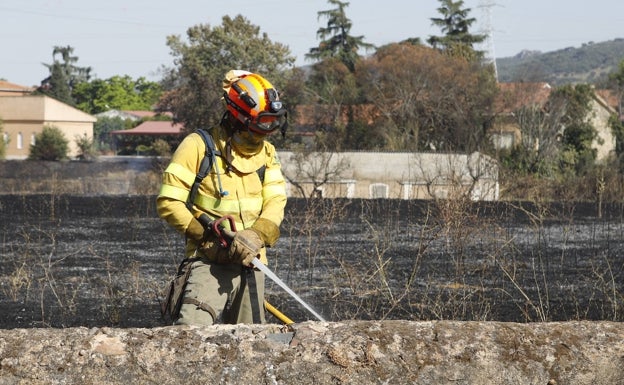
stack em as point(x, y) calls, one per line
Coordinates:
point(356, 352)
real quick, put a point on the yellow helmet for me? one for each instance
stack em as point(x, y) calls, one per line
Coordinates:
point(254, 101)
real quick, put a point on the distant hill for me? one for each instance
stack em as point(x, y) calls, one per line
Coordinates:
point(588, 64)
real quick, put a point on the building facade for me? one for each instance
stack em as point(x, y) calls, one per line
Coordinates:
point(24, 116)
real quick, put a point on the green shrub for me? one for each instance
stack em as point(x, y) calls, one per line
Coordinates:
point(50, 144)
point(86, 147)
point(161, 147)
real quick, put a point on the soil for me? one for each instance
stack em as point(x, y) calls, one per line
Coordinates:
point(106, 260)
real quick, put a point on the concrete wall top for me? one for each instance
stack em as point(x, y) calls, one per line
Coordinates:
point(400, 166)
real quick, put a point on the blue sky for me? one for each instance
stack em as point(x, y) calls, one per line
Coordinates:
point(128, 37)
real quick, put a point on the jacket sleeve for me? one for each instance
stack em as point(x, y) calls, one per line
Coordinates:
point(273, 200)
point(177, 180)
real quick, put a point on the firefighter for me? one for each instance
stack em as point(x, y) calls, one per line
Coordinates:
point(245, 184)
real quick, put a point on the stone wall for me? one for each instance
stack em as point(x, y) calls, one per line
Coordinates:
point(356, 352)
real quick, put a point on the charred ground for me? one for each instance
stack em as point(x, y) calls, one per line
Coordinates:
point(105, 260)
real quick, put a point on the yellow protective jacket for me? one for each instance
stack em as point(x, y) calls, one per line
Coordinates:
point(251, 202)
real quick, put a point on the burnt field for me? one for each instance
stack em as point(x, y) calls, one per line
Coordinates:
point(105, 261)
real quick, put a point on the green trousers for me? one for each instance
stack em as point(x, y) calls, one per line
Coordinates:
point(222, 293)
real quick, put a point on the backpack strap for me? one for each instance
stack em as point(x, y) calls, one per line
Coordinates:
point(205, 167)
point(260, 173)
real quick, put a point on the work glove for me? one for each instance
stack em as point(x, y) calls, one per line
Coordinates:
point(268, 231)
point(245, 246)
point(195, 231)
point(207, 241)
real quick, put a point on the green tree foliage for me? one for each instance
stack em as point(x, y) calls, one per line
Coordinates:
point(65, 75)
point(557, 138)
point(194, 85)
point(86, 147)
point(50, 144)
point(336, 42)
point(146, 145)
point(578, 135)
point(117, 92)
point(455, 24)
point(161, 148)
point(617, 76)
point(332, 83)
point(334, 110)
point(103, 140)
point(616, 80)
point(617, 127)
point(538, 151)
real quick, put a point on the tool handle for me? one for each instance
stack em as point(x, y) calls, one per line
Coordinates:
point(221, 232)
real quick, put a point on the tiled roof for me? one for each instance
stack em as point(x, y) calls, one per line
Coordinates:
point(145, 114)
point(7, 88)
point(610, 97)
point(512, 96)
point(152, 127)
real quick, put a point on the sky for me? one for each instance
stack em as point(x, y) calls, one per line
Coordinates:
point(128, 37)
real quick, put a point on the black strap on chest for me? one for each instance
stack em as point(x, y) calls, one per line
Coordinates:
point(204, 168)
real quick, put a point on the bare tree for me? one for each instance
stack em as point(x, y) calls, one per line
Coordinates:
point(309, 171)
point(457, 176)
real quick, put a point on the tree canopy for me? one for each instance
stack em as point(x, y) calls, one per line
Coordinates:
point(557, 138)
point(616, 79)
point(64, 76)
point(455, 24)
point(579, 133)
point(427, 100)
point(117, 92)
point(193, 86)
point(336, 42)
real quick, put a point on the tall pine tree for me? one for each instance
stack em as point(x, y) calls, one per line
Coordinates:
point(455, 24)
point(64, 75)
point(336, 42)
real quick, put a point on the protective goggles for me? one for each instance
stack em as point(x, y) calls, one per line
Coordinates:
point(267, 122)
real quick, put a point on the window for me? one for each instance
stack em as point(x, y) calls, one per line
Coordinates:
point(378, 190)
point(20, 141)
point(350, 188)
point(32, 139)
point(406, 190)
point(318, 192)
